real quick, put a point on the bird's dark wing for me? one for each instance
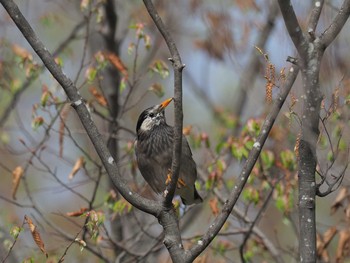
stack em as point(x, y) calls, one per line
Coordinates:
point(188, 176)
point(153, 169)
point(188, 170)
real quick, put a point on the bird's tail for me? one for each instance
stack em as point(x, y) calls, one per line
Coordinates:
point(195, 199)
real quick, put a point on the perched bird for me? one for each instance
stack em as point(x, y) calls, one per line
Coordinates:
point(153, 148)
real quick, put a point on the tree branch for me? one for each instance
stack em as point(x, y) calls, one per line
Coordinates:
point(293, 27)
point(248, 166)
point(168, 218)
point(314, 17)
point(17, 94)
point(249, 74)
point(338, 23)
point(251, 227)
point(148, 206)
point(178, 114)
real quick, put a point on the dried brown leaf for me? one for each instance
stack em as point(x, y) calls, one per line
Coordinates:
point(17, 174)
point(78, 164)
point(98, 96)
point(158, 89)
point(117, 63)
point(220, 37)
point(270, 80)
point(194, 5)
point(347, 212)
point(36, 235)
point(323, 242)
point(213, 203)
point(335, 99)
point(246, 5)
point(342, 194)
point(63, 118)
point(343, 245)
point(21, 52)
point(187, 130)
point(77, 213)
point(329, 234)
point(297, 145)
point(320, 244)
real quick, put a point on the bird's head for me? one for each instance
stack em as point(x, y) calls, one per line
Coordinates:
point(152, 117)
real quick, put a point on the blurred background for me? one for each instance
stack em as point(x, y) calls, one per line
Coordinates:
point(235, 55)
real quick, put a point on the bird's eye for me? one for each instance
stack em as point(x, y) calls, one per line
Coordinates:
point(151, 115)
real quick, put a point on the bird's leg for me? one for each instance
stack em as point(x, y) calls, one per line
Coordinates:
point(180, 183)
point(168, 177)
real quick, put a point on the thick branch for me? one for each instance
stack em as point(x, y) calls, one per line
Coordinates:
point(109, 163)
point(168, 218)
point(248, 166)
point(314, 17)
point(293, 27)
point(338, 23)
point(178, 114)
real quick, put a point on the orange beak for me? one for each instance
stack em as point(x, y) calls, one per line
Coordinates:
point(165, 103)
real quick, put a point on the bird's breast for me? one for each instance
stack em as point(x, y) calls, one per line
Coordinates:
point(158, 142)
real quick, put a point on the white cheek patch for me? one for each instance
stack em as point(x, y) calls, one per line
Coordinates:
point(147, 124)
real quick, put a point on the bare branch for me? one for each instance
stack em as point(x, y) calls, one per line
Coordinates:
point(251, 227)
point(248, 166)
point(79, 105)
point(167, 218)
point(15, 98)
point(249, 74)
point(178, 114)
point(314, 17)
point(336, 26)
point(293, 27)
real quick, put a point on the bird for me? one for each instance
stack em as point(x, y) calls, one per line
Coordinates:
point(153, 149)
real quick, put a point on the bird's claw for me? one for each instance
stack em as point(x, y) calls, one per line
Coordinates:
point(180, 183)
point(168, 178)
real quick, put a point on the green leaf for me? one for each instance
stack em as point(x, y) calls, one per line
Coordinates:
point(337, 131)
point(248, 255)
point(253, 127)
point(90, 74)
point(7, 244)
point(44, 98)
point(122, 85)
point(280, 204)
point(131, 48)
point(59, 61)
point(323, 142)
point(268, 159)
point(15, 231)
point(157, 89)
point(239, 151)
point(249, 144)
point(15, 85)
point(119, 206)
point(330, 156)
point(160, 68)
point(288, 159)
point(101, 60)
point(342, 145)
point(219, 147)
point(251, 195)
point(209, 184)
point(4, 137)
point(37, 122)
point(221, 165)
